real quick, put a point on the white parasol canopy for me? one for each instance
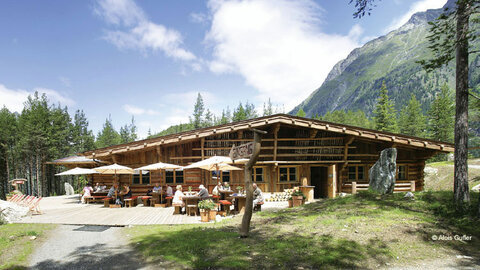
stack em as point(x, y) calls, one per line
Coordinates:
point(77, 171)
point(114, 169)
point(213, 162)
point(225, 167)
point(159, 166)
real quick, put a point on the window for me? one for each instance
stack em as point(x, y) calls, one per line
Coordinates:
point(257, 174)
point(287, 174)
point(402, 173)
point(173, 176)
point(352, 173)
point(356, 173)
point(141, 177)
point(226, 176)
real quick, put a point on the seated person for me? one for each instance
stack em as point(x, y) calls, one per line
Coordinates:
point(126, 192)
point(157, 188)
point(203, 193)
point(97, 187)
point(257, 194)
point(177, 199)
point(217, 188)
point(87, 192)
point(226, 186)
point(169, 191)
point(113, 190)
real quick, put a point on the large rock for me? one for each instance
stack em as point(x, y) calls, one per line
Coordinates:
point(10, 212)
point(382, 174)
point(69, 189)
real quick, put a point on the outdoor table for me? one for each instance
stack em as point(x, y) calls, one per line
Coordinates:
point(191, 200)
point(225, 193)
point(240, 201)
point(157, 196)
point(100, 193)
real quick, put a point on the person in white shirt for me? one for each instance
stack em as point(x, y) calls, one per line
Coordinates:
point(177, 199)
point(217, 188)
point(157, 188)
point(169, 191)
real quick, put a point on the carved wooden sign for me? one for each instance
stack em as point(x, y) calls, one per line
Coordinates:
point(241, 151)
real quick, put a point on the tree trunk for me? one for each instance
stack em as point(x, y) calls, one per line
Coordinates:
point(39, 179)
point(461, 191)
point(247, 216)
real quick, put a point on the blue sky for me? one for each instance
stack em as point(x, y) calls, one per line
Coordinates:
point(150, 58)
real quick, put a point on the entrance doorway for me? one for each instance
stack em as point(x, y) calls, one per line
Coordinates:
point(319, 180)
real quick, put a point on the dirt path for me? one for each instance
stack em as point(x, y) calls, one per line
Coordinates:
point(86, 247)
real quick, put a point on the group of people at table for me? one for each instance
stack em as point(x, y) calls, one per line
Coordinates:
point(178, 198)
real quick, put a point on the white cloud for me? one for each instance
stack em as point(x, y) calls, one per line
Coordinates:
point(138, 32)
point(418, 6)
point(14, 99)
point(198, 17)
point(134, 110)
point(276, 46)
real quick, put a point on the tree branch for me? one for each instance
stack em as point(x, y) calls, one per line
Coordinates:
point(473, 95)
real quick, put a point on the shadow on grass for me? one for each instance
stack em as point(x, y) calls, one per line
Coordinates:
point(91, 257)
point(210, 247)
point(435, 212)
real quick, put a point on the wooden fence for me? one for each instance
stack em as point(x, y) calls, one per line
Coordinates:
point(354, 187)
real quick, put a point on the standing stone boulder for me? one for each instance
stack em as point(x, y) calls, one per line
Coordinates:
point(69, 189)
point(382, 174)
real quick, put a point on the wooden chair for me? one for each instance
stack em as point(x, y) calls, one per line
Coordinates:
point(34, 207)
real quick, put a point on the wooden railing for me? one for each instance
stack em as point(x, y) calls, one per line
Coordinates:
point(399, 186)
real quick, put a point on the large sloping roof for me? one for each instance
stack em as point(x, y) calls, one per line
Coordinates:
point(268, 120)
point(74, 160)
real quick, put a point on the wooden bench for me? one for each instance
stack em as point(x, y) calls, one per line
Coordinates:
point(145, 200)
point(130, 202)
point(258, 207)
point(106, 201)
point(98, 198)
point(178, 209)
point(225, 205)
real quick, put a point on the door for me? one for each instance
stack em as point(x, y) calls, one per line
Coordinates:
point(319, 180)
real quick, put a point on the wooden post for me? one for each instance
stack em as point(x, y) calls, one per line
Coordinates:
point(247, 216)
point(354, 187)
point(412, 186)
point(275, 141)
point(332, 181)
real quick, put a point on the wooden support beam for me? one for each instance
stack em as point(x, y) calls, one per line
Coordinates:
point(202, 147)
point(275, 140)
point(159, 154)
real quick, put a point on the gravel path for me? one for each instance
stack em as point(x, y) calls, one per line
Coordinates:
point(86, 247)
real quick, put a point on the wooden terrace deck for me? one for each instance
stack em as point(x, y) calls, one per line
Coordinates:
point(67, 210)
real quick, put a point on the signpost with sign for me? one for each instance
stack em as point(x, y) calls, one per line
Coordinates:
point(242, 151)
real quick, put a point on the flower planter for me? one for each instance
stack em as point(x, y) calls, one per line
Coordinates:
point(212, 214)
point(204, 215)
point(297, 200)
point(290, 203)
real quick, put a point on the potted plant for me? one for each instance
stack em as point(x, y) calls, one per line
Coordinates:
point(239, 189)
point(290, 202)
point(298, 198)
point(212, 209)
point(204, 206)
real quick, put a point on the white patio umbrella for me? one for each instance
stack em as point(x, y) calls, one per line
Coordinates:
point(77, 171)
point(211, 163)
point(225, 167)
point(159, 166)
point(114, 169)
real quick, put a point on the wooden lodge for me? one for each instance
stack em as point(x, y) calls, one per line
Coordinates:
point(332, 157)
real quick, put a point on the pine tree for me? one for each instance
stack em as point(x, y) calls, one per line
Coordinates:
point(250, 111)
point(239, 114)
point(8, 133)
point(267, 109)
point(384, 113)
point(82, 138)
point(441, 116)
point(198, 110)
point(301, 113)
point(108, 136)
point(128, 133)
point(412, 119)
point(208, 122)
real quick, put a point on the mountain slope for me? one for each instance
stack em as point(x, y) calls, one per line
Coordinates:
point(354, 82)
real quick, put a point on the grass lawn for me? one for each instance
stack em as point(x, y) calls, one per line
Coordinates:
point(15, 243)
point(361, 231)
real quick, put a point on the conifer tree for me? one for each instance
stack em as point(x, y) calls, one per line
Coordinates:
point(441, 116)
point(239, 113)
point(301, 113)
point(82, 138)
point(384, 113)
point(412, 120)
point(108, 136)
point(199, 108)
point(128, 133)
point(208, 122)
point(267, 109)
